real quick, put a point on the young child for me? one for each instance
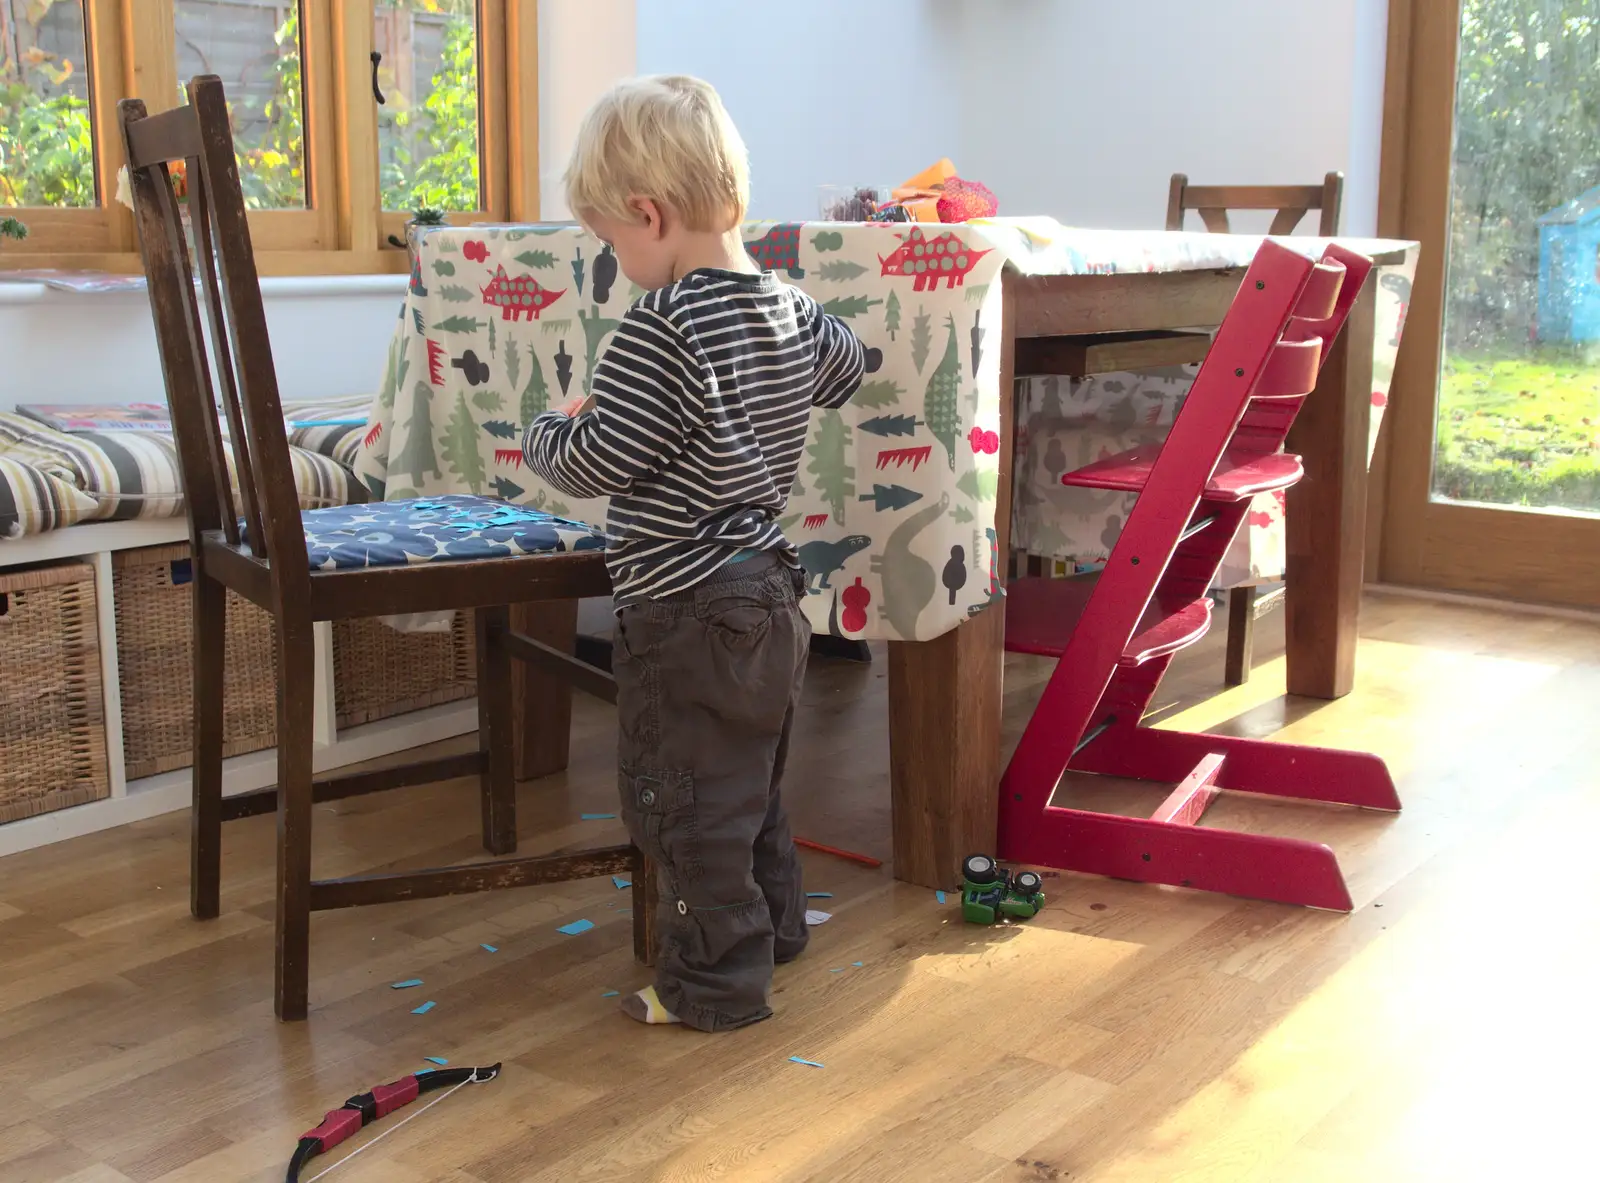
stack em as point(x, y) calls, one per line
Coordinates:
point(700, 408)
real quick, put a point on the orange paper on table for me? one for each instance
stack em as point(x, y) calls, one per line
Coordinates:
point(920, 194)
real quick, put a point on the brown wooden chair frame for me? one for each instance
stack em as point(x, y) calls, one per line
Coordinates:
point(266, 562)
point(1113, 353)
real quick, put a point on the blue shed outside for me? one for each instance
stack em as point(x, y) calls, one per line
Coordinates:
point(1569, 270)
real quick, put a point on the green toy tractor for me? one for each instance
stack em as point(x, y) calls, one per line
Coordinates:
point(990, 893)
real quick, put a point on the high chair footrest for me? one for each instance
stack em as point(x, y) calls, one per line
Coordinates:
point(1042, 613)
point(1234, 479)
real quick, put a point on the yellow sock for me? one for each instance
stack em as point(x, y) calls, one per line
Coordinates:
point(646, 1006)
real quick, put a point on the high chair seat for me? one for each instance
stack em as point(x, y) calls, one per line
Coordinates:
point(435, 530)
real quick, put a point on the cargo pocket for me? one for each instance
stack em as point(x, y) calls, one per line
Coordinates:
point(658, 807)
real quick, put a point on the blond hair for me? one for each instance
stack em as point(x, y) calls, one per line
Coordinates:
point(666, 137)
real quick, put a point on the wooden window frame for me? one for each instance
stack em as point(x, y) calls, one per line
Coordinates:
point(1412, 539)
point(342, 231)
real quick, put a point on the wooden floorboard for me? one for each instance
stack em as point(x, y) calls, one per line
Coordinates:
point(1444, 1031)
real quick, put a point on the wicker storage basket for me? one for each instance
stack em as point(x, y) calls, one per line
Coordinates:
point(379, 672)
point(155, 658)
point(52, 715)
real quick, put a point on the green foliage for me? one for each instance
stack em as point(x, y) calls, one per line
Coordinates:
point(433, 149)
point(1520, 431)
point(46, 154)
point(537, 259)
point(12, 228)
point(459, 324)
point(487, 400)
point(891, 315)
point(1527, 141)
point(455, 294)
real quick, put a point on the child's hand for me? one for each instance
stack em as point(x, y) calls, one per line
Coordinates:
point(575, 406)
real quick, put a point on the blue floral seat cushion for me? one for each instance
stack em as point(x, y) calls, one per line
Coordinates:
point(436, 530)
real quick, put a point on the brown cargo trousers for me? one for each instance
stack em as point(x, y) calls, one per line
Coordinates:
point(707, 685)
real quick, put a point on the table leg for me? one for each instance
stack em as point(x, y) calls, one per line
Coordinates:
point(944, 748)
point(1327, 514)
point(944, 707)
point(542, 702)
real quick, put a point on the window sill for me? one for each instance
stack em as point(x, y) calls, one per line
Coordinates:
point(270, 264)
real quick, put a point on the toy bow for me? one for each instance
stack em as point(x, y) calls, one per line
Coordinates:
point(365, 1108)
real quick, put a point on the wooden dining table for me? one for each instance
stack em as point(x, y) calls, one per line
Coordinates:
point(903, 508)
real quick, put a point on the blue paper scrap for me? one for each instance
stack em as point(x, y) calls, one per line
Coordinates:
point(489, 948)
point(857, 964)
point(405, 985)
point(423, 1009)
point(819, 895)
point(807, 1063)
point(611, 993)
point(596, 817)
point(439, 1060)
point(836, 971)
point(620, 882)
point(940, 896)
point(576, 927)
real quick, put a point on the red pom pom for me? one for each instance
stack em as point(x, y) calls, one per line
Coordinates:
point(963, 200)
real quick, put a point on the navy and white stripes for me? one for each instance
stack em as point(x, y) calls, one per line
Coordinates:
point(701, 404)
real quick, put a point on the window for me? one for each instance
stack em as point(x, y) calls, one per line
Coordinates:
point(46, 150)
point(330, 174)
point(429, 152)
point(254, 47)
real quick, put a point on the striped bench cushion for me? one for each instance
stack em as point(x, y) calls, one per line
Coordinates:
point(127, 475)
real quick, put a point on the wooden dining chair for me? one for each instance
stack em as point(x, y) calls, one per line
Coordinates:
point(463, 553)
point(1114, 634)
point(1289, 206)
point(1114, 353)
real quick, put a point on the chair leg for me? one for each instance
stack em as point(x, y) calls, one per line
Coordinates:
point(497, 786)
point(210, 607)
point(1241, 635)
point(296, 670)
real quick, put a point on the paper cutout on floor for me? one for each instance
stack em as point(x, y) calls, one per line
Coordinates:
point(814, 917)
point(576, 927)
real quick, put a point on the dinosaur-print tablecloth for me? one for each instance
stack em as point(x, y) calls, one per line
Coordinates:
point(893, 511)
point(1063, 424)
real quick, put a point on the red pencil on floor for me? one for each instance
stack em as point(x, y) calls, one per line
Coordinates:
point(866, 860)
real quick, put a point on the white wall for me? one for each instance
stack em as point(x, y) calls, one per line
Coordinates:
point(1080, 109)
point(824, 92)
point(584, 46)
point(328, 338)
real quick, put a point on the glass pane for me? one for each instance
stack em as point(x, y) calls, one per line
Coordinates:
point(1519, 396)
point(46, 151)
point(254, 47)
point(428, 125)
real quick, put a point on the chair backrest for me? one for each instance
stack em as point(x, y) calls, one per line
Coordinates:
point(1291, 203)
point(199, 136)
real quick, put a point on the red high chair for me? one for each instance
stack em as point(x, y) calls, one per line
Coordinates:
point(1115, 632)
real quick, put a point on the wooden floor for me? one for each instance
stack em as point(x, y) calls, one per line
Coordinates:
point(1445, 1031)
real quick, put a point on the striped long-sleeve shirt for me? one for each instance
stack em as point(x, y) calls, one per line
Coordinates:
point(701, 404)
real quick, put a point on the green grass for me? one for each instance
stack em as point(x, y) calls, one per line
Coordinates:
point(1520, 430)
